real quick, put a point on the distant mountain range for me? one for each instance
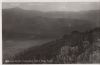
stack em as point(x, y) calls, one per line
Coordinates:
point(19, 22)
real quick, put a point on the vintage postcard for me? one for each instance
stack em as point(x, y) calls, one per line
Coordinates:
point(51, 32)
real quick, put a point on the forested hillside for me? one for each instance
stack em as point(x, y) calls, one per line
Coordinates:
point(76, 47)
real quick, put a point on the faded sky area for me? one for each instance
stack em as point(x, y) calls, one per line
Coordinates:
point(54, 6)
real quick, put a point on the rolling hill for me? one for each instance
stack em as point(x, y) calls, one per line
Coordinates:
point(17, 22)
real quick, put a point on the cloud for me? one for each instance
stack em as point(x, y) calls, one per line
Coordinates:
point(54, 6)
point(10, 5)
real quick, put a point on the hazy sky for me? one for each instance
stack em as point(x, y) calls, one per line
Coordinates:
point(54, 6)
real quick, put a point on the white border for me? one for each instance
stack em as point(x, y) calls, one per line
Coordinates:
point(51, 64)
point(0, 33)
point(50, 0)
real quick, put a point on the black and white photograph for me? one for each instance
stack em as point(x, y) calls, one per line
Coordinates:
point(51, 32)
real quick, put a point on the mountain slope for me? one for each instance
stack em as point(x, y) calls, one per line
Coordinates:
point(17, 21)
point(77, 47)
